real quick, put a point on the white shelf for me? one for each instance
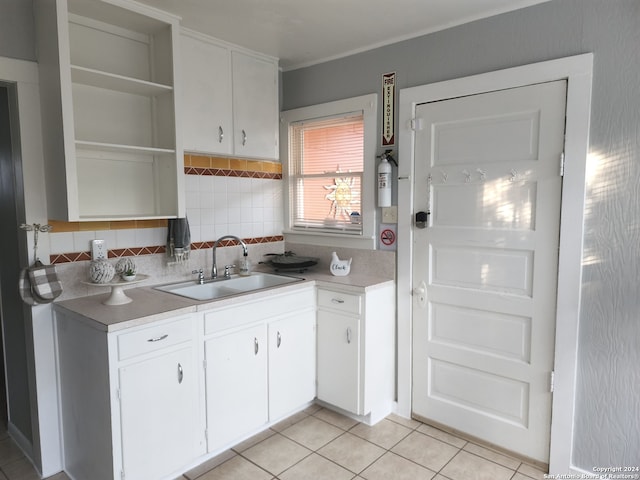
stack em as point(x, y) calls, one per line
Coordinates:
point(111, 147)
point(119, 83)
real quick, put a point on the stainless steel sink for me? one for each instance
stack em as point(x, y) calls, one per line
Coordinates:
point(224, 287)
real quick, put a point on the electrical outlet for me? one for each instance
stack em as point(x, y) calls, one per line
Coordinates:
point(390, 214)
point(98, 249)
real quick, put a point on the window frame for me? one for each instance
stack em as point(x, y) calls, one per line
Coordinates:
point(368, 106)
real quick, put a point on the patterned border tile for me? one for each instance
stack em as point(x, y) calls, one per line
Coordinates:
point(134, 252)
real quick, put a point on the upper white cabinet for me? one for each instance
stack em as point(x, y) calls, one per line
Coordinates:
point(230, 99)
point(108, 81)
point(206, 95)
point(255, 106)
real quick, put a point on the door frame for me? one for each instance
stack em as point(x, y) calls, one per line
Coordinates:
point(45, 449)
point(578, 71)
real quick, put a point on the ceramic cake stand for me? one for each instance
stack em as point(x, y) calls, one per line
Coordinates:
point(118, 297)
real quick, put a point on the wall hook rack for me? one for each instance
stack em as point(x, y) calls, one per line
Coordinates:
point(36, 228)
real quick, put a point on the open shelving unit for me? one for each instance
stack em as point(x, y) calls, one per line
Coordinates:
point(108, 86)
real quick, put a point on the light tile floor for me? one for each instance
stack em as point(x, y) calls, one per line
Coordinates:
point(319, 444)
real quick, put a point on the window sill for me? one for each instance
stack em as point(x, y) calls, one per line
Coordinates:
point(330, 239)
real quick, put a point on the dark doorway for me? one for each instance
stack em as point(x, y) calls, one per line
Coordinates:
point(14, 314)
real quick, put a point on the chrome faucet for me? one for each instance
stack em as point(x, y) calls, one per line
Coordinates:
point(214, 268)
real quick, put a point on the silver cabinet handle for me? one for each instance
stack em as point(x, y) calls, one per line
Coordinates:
point(348, 334)
point(244, 138)
point(337, 300)
point(256, 346)
point(157, 339)
point(180, 373)
point(220, 134)
point(278, 340)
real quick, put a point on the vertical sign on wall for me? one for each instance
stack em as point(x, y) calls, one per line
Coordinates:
point(388, 111)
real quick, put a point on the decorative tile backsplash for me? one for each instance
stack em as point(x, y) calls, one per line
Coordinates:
point(224, 196)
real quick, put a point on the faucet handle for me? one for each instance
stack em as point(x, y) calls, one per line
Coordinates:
point(200, 274)
point(227, 270)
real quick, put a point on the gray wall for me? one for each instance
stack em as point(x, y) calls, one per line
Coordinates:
point(17, 30)
point(607, 423)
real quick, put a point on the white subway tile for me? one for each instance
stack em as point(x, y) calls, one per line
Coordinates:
point(61, 242)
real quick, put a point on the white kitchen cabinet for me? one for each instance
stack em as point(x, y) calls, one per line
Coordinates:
point(339, 375)
point(111, 137)
point(206, 95)
point(236, 379)
point(292, 363)
point(356, 345)
point(251, 377)
point(158, 411)
point(129, 399)
point(255, 106)
point(230, 99)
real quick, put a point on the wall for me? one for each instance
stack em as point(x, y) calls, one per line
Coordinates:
point(607, 422)
point(223, 197)
point(17, 30)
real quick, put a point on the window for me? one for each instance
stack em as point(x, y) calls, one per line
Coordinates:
point(328, 156)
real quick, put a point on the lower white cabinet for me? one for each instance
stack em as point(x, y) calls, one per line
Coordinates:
point(260, 363)
point(158, 412)
point(339, 375)
point(236, 379)
point(129, 400)
point(292, 363)
point(356, 350)
point(150, 401)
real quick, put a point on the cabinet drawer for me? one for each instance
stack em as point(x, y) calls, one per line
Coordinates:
point(153, 338)
point(343, 302)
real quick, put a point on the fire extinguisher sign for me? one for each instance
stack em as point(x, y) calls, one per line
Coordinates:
point(388, 111)
point(387, 237)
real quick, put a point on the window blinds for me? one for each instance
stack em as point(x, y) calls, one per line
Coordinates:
point(325, 173)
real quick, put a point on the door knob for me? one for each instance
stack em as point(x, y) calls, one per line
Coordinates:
point(421, 293)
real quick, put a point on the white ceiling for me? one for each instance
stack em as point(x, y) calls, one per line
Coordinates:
point(305, 32)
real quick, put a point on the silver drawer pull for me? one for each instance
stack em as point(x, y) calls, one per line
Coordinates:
point(349, 335)
point(256, 346)
point(220, 134)
point(337, 300)
point(157, 339)
point(180, 373)
point(278, 340)
point(244, 138)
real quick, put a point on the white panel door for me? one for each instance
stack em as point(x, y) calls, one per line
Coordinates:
point(488, 171)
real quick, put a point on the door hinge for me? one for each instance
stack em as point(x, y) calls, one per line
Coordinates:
point(416, 124)
point(552, 379)
point(562, 164)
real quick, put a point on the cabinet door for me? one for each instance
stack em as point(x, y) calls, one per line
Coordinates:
point(339, 360)
point(255, 106)
point(236, 384)
point(158, 414)
point(292, 363)
point(206, 95)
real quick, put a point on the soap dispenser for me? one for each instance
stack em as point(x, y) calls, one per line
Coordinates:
point(245, 266)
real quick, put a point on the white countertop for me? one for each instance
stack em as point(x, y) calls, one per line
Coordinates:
point(150, 305)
